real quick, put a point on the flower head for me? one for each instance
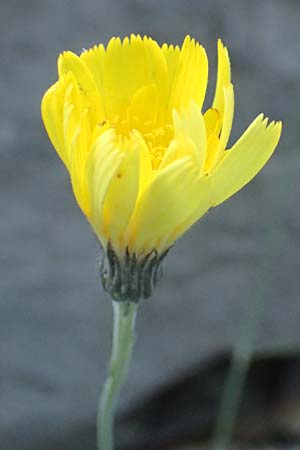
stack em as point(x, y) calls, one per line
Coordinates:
point(145, 162)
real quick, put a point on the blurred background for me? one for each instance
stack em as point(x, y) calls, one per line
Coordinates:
point(55, 320)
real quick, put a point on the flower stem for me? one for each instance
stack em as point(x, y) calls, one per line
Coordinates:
point(123, 340)
point(241, 357)
point(240, 362)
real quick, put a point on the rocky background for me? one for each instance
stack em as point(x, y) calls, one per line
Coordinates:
point(55, 321)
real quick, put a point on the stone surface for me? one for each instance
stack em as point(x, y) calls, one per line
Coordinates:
point(55, 321)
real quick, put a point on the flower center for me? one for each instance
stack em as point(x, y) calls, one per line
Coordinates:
point(157, 141)
point(156, 137)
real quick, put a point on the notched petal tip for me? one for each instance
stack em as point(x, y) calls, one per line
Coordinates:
point(221, 45)
point(223, 76)
point(245, 159)
point(278, 126)
point(63, 61)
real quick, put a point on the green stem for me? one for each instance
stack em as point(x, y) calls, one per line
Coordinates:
point(123, 340)
point(241, 359)
point(240, 362)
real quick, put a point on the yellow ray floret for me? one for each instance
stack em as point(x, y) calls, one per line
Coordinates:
point(145, 162)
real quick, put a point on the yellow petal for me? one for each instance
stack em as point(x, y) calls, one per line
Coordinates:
point(71, 117)
point(190, 78)
point(172, 55)
point(68, 62)
point(212, 148)
point(223, 76)
point(145, 168)
point(228, 95)
point(179, 148)
point(245, 159)
point(129, 66)
point(219, 151)
point(157, 67)
point(140, 117)
point(79, 154)
point(212, 120)
point(122, 193)
point(102, 164)
point(188, 127)
point(202, 203)
point(167, 202)
point(94, 59)
point(52, 109)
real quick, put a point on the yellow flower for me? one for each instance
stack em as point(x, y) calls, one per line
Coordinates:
point(145, 162)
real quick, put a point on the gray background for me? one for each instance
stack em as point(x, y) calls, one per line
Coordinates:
point(55, 321)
